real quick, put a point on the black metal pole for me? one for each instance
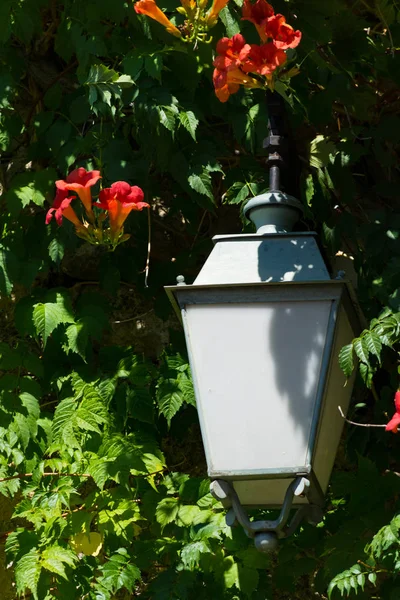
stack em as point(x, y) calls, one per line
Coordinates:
point(275, 141)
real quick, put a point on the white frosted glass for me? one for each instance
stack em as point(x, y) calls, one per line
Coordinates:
point(256, 369)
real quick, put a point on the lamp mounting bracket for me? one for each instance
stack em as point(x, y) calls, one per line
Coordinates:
point(267, 533)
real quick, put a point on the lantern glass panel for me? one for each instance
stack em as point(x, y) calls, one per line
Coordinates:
point(257, 371)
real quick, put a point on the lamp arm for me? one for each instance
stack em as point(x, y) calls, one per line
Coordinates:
point(266, 533)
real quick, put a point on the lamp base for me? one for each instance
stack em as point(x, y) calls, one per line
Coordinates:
point(267, 533)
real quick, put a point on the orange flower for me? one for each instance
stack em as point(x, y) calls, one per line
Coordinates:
point(150, 8)
point(231, 52)
point(227, 82)
point(264, 59)
point(188, 5)
point(119, 200)
point(61, 208)
point(394, 422)
point(282, 34)
point(80, 181)
point(214, 11)
point(257, 13)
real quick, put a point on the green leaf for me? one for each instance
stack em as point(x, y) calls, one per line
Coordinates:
point(118, 573)
point(189, 122)
point(191, 553)
point(56, 250)
point(47, 316)
point(167, 511)
point(167, 117)
point(361, 349)
point(361, 580)
point(153, 64)
point(346, 359)
point(140, 404)
point(248, 580)
point(373, 343)
point(202, 184)
point(101, 469)
point(321, 150)
point(63, 418)
point(309, 189)
point(372, 578)
point(55, 558)
point(8, 266)
point(27, 572)
point(101, 74)
point(230, 572)
point(366, 374)
point(77, 336)
point(30, 186)
point(169, 398)
point(230, 21)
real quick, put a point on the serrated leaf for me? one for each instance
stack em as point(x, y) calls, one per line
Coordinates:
point(191, 553)
point(62, 417)
point(167, 511)
point(189, 122)
point(118, 573)
point(140, 404)
point(167, 117)
point(366, 374)
point(100, 469)
point(21, 427)
point(373, 344)
point(238, 193)
point(169, 398)
point(186, 386)
point(55, 558)
point(49, 315)
point(101, 74)
point(27, 572)
point(8, 266)
point(30, 186)
point(361, 349)
point(321, 150)
point(153, 64)
point(202, 184)
point(346, 362)
point(56, 250)
point(77, 336)
point(230, 21)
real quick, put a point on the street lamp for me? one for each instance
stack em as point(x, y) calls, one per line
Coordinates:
point(264, 323)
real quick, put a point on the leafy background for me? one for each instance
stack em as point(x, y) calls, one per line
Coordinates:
point(100, 453)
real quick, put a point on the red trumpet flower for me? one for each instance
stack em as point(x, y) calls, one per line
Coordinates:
point(119, 200)
point(61, 208)
point(80, 181)
point(394, 422)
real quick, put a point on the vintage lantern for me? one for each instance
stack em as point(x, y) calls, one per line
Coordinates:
point(264, 323)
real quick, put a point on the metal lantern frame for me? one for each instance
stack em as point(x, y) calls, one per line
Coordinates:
point(246, 287)
point(303, 490)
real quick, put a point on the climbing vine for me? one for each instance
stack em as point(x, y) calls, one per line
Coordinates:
point(108, 108)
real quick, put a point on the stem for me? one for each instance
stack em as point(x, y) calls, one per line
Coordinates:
point(22, 475)
point(148, 250)
point(358, 424)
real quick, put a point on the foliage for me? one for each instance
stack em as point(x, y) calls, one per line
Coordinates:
point(99, 442)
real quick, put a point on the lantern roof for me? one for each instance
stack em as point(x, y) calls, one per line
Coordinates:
point(264, 258)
